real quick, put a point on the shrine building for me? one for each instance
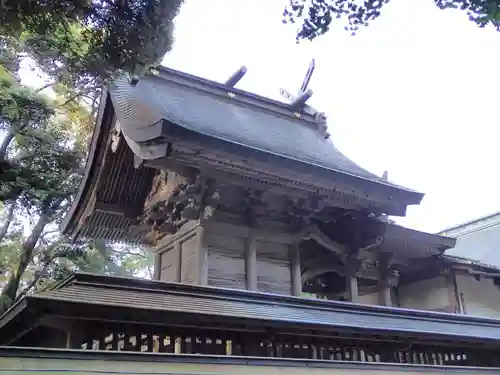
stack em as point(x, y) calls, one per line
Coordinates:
point(272, 249)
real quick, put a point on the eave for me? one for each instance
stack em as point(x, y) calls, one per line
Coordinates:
point(407, 244)
point(250, 124)
point(105, 298)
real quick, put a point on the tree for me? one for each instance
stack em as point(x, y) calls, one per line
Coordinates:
point(43, 161)
point(55, 258)
point(78, 45)
point(316, 16)
point(81, 43)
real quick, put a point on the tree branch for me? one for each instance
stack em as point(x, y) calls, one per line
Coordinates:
point(8, 219)
point(46, 86)
point(5, 144)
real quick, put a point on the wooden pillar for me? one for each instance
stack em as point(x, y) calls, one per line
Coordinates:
point(385, 294)
point(352, 280)
point(157, 266)
point(202, 257)
point(251, 262)
point(387, 280)
point(74, 339)
point(295, 270)
point(453, 295)
point(178, 261)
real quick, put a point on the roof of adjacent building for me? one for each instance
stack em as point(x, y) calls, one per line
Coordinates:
point(479, 223)
point(472, 264)
point(87, 296)
point(406, 243)
point(170, 105)
point(477, 241)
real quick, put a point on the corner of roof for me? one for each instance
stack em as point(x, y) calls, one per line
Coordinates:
point(65, 282)
point(14, 311)
point(75, 209)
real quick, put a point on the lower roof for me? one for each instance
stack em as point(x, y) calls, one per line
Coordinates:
point(88, 296)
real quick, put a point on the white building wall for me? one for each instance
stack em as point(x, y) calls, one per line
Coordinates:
point(479, 298)
point(431, 294)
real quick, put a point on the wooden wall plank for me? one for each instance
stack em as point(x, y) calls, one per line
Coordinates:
point(273, 268)
point(226, 260)
point(189, 262)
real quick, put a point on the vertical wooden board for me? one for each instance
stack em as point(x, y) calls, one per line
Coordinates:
point(169, 265)
point(189, 262)
point(167, 258)
point(273, 268)
point(226, 269)
point(227, 242)
point(226, 261)
point(168, 274)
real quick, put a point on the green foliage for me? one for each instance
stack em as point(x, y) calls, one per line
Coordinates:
point(55, 258)
point(47, 170)
point(80, 43)
point(9, 59)
point(316, 16)
point(44, 167)
point(20, 109)
point(41, 163)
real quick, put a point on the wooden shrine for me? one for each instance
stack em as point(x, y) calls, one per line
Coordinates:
point(239, 191)
point(250, 209)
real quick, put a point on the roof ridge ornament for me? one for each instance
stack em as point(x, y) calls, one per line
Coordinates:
point(299, 102)
point(236, 77)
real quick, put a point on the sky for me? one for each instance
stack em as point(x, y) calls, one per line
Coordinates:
point(415, 93)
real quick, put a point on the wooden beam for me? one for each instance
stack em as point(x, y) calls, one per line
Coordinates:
point(157, 267)
point(202, 256)
point(385, 296)
point(251, 262)
point(178, 260)
point(453, 296)
point(295, 270)
point(385, 290)
point(352, 280)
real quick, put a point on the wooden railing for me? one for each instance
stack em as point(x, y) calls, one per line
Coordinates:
point(296, 347)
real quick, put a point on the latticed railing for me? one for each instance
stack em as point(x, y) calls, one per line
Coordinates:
point(296, 347)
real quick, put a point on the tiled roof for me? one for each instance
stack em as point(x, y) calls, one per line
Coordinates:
point(214, 114)
point(229, 305)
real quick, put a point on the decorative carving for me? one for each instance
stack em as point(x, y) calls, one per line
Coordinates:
point(255, 206)
point(367, 264)
point(393, 278)
point(389, 276)
point(301, 212)
point(115, 139)
point(173, 200)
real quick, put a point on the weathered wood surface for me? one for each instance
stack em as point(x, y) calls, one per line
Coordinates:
point(273, 268)
point(115, 364)
point(189, 261)
point(226, 344)
point(226, 260)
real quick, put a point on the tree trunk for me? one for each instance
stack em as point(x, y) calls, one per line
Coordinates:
point(9, 292)
point(8, 219)
point(5, 144)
